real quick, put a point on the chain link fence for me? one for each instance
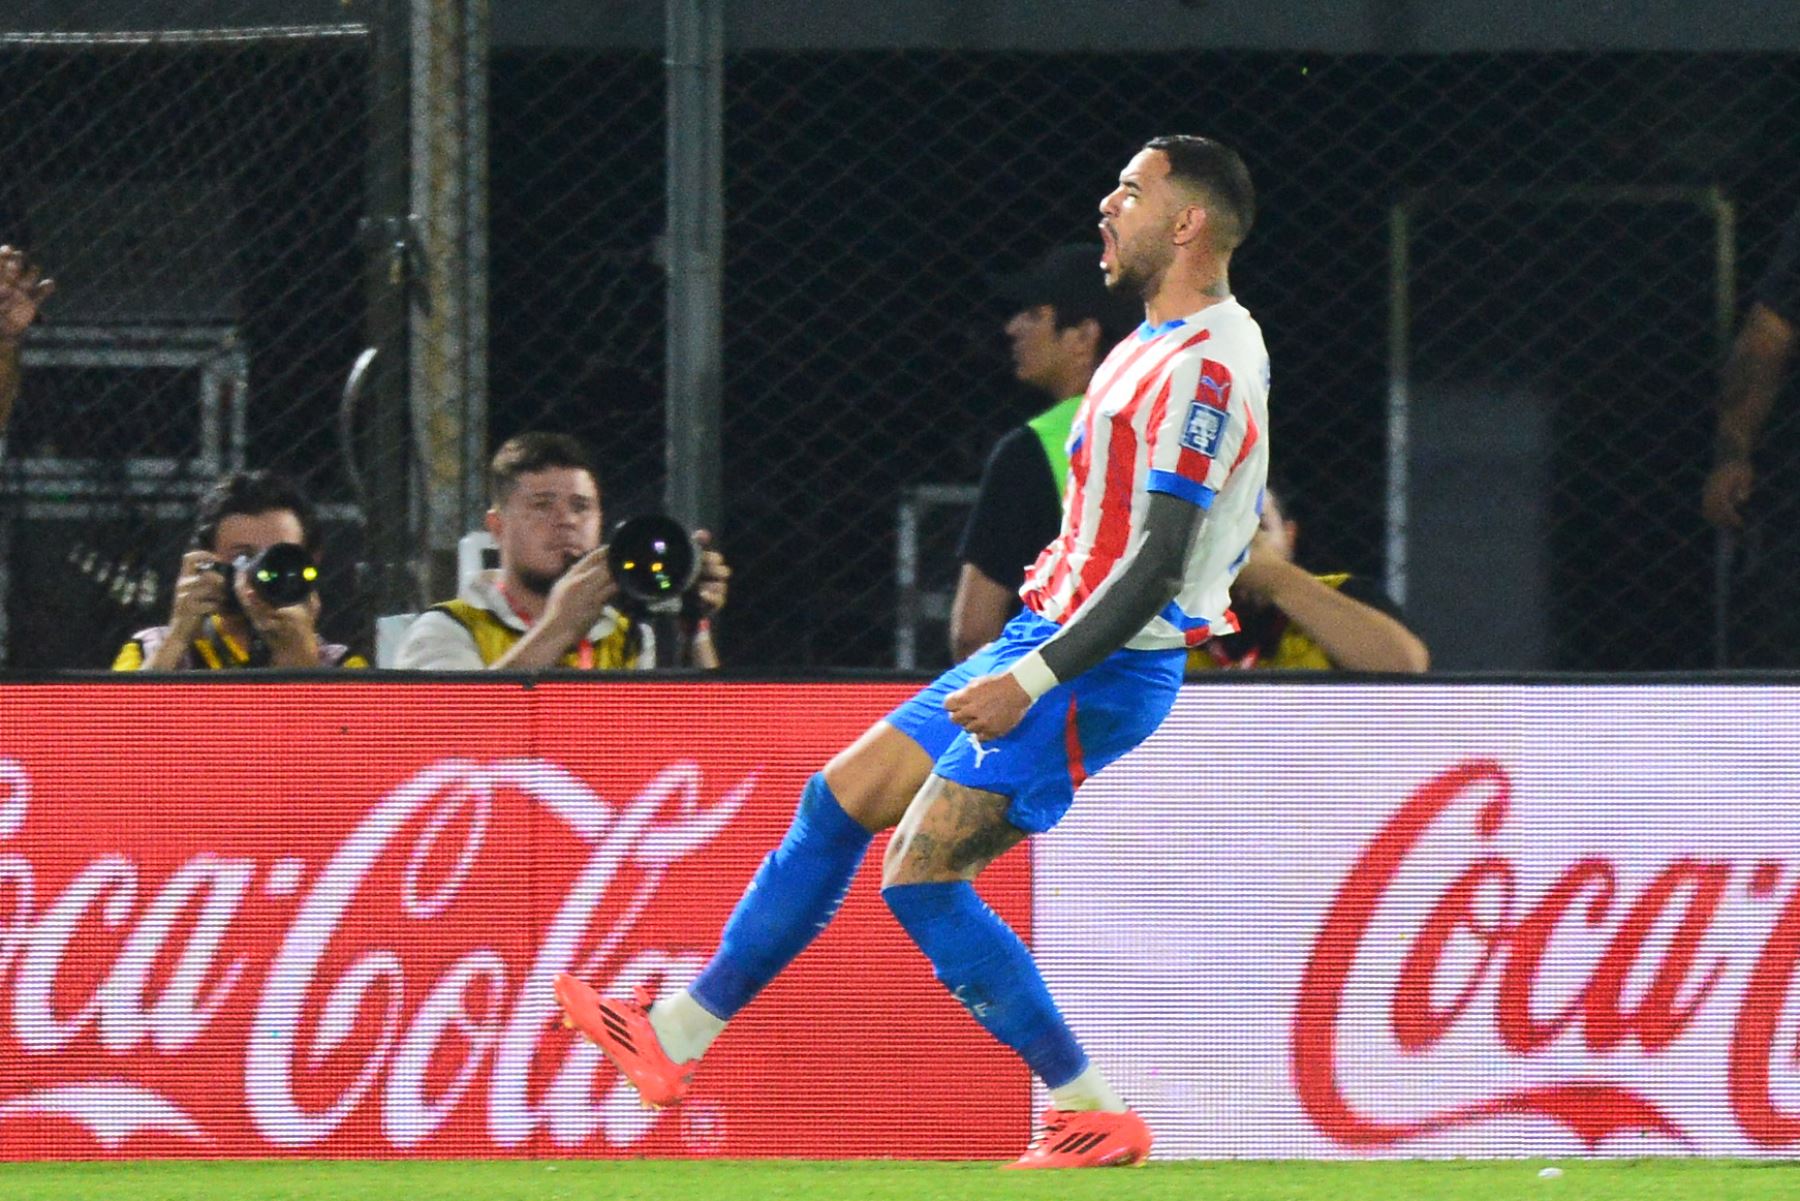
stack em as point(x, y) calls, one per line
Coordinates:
point(197, 195)
point(577, 149)
point(1577, 228)
point(1525, 264)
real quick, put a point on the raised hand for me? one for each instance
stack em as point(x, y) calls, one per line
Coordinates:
point(22, 291)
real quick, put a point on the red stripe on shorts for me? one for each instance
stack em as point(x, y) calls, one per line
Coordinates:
point(1072, 739)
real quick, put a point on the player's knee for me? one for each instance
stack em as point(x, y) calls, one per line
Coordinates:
point(875, 778)
point(865, 801)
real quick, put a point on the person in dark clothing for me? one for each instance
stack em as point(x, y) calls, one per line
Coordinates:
point(1062, 325)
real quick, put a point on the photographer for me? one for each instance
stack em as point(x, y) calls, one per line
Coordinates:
point(221, 618)
point(552, 601)
point(1294, 619)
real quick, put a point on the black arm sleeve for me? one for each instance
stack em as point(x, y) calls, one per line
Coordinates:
point(1779, 289)
point(1128, 600)
point(1017, 513)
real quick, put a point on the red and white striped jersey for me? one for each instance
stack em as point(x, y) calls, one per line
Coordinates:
point(1181, 408)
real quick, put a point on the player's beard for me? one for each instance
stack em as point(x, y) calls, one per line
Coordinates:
point(1142, 264)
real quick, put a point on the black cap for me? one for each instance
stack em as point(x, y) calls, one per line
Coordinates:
point(1069, 279)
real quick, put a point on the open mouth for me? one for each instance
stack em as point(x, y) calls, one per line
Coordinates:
point(1108, 248)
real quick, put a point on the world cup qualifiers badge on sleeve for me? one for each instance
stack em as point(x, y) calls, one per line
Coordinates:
point(1205, 425)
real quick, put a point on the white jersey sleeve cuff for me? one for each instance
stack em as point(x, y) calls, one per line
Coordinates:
point(1033, 675)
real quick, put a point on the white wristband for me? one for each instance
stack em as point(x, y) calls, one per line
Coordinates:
point(1033, 675)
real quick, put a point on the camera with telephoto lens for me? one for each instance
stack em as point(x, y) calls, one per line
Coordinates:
point(654, 560)
point(283, 574)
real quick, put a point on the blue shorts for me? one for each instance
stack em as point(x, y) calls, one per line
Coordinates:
point(1072, 731)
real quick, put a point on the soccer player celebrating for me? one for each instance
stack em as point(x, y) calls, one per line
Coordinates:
point(1168, 455)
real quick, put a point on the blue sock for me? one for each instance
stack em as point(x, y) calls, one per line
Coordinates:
point(794, 895)
point(985, 966)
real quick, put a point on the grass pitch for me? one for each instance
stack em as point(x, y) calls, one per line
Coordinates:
point(880, 1180)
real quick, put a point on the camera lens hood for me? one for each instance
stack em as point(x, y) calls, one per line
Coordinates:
point(653, 558)
point(283, 574)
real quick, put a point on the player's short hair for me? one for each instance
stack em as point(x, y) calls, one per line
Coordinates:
point(1216, 169)
point(526, 453)
point(251, 494)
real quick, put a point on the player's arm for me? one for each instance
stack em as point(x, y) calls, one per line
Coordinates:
point(1191, 455)
point(1139, 587)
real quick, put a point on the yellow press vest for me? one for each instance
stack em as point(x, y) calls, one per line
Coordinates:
point(1293, 650)
point(618, 651)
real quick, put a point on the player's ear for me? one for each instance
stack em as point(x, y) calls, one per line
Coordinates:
point(1190, 223)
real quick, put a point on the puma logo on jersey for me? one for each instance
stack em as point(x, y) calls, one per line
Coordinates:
point(981, 752)
point(1220, 388)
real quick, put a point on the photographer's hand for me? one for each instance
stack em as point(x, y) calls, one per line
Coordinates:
point(709, 594)
point(290, 631)
point(577, 600)
point(711, 588)
point(199, 592)
point(575, 603)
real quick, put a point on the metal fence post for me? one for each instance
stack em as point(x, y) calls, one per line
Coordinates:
point(1399, 413)
point(449, 369)
point(385, 472)
point(695, 248)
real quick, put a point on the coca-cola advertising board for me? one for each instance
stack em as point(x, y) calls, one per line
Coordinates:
point(1304, 920)
point(322, 919)
point(1345, 920)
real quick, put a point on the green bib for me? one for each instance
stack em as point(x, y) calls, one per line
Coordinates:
point(1052, 428)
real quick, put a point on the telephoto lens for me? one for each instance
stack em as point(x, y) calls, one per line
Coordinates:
point(283, 574)
point(653, 558)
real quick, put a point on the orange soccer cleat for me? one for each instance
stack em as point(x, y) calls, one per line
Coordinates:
point(622, 1030)
point(1088, 1139)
